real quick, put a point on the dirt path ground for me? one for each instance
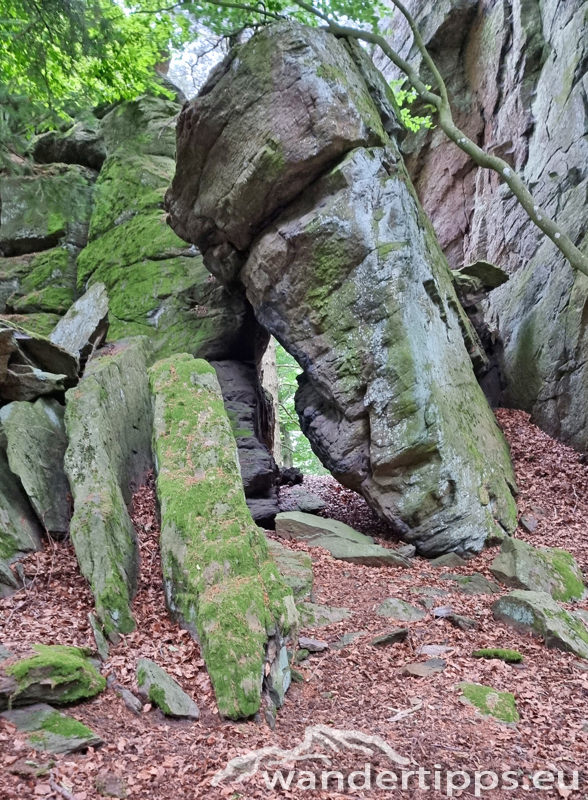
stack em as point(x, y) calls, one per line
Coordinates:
point(354, 688)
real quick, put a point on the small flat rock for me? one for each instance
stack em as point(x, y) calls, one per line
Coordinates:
point(312, 645)
point(108, 784)
point(85, 325)
point(489, 701)
point(392, 637)
point(475, 583)
point(463, 623)
point(342, 542)
point(539, 569)
point(406, 551)
point(400, 609)
point(160, 688)
point(305, 501)
point(50, 730)
point(347, 639)
point(433, 650)
point(538, 613)
point(529, 523)
point(442, 611)
point(449, 560)
point(313, 615)
point(4, 653)
point(422, 669)
point(131, 702)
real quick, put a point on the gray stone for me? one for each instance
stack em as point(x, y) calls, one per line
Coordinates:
point(463, 623)
point(84, 327)
point(400, 609)
point(490, 275)
point(23, 382)
point(110, 785)
point(81, 144)
point(20, 532)
point(51, 731)
point(36, 444)
point(347, 639)
point(313, 615)
point(406, 551)
point(529, 523)
point(279, 678)
point(4, 653)
point(539, 569)
point(294, 567)
point(131, 702)
point(475, 583)
point(161, 689)
point(392, 637)
point(108, 422)
point(43, 209)
point(99, 638)
point(312, 645)
point(306, 502)
point(423, 669)
point(442, 612)
point(339, 539)
point(219, 579)
point(538, 613)
point(450, 560)
point(434, 650)
point(314, 275)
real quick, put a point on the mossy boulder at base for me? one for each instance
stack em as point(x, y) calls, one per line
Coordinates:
point(108, 422)
point(36, 444)
point(219, 579)
point(157, 687)
point(342, 542)
point(490, 702)
point(52, 674)
point(519, 565)
point(51, 731)
point(538, 613)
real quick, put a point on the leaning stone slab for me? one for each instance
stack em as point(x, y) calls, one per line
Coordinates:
point(108, 421)
point(295, 568)
point(489, 702)
point(219, 579)
point(36, 444)
point(158, 687)
point(537, 613)
point(399, 609)
point(51, 731)
point(339, 539)
point(50, 673)
point(539, 569)
point(20, 532)
point(84, 327)
point(313, 615)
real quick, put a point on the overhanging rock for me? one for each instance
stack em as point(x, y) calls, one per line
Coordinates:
point(349, 277)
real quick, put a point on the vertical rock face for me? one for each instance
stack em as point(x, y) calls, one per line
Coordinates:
point(349, 278)
point(219, 579)
point(108, 424)
point(517, 75)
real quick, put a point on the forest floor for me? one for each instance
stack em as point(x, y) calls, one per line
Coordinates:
point(354, 688)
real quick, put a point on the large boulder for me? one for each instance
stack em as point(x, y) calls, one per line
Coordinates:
point(538, 614)
point(219, 579)
point(501, 64)
point(38, 283)
point(41, 210)
point(36, 443)
point(83, 144)
point(108, 422)
point(349, 278)
point(539, 569)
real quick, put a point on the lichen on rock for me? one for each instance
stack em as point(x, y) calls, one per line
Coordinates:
point(219, 579)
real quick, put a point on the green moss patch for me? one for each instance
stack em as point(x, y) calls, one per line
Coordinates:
point(510, 656)
point(500, 705)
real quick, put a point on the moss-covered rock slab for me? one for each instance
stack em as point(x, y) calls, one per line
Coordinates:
point(156, 686)
point(51, 731)
point(539, 569)
point(52, 674)
point(41, 210)
point(295, 568)
point(538, 613)
point(342, 542)
point(510, 656)
point(36, 444)
point(39, 283)
point(489, 702)
point(219, 579)
point(108, 422)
